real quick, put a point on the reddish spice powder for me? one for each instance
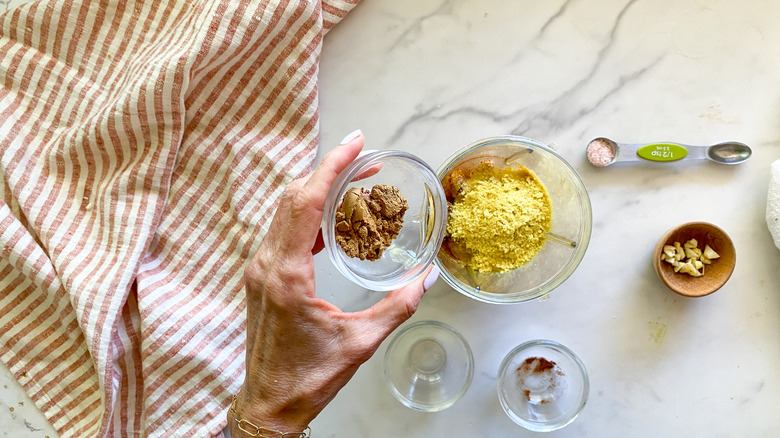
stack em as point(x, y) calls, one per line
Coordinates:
point(542, 364)
point(537, 366)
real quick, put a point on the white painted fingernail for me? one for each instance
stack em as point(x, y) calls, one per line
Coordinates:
point(351, 136)
point(431, 278)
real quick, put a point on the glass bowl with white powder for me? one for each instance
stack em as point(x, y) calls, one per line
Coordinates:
point(542, 385)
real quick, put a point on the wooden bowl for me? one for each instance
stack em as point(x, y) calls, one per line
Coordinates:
point(715, 274)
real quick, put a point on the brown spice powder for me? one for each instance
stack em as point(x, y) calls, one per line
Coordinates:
point(367, 222)
point(538, 364)
point(539, 367)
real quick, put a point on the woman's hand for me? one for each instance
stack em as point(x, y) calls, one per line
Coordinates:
point(301, 350)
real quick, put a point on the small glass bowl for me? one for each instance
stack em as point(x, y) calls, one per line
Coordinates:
point(565, 243)
point(428, 366)
point(423, 228)
point(538, 395)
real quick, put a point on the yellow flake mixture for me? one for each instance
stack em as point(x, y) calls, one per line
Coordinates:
point(498, 218)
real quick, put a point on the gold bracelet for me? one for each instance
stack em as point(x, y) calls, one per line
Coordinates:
point(252, 429)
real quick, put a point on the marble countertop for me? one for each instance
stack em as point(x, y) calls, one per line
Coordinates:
point(430, 77)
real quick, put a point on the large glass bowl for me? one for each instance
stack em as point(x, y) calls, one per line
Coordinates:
point(420, 237)
point(565, 243)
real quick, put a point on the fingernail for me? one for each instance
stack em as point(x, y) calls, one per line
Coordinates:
point(431, 278)
point(351, 136)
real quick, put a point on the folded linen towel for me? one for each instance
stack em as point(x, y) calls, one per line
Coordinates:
point(773, 203)
point(143, 146)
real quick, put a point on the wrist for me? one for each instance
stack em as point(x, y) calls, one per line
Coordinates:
point(248, 419)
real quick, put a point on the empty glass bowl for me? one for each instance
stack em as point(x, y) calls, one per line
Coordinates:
point(542, 385)
point(428, 366)
point(565, 243)
point(424, 222)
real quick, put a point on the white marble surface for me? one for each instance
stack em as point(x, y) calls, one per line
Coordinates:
point(429, 77)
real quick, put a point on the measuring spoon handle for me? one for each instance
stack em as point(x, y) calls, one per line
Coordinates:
point(661, 152)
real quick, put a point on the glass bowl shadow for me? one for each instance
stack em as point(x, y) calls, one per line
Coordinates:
point(565, 243)
point(424, 222)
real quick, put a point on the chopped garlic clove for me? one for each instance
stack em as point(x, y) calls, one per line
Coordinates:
point(688, 268)
point(710, 253)
point(693, 243)
point(692, 253)
point(680, 254)
point(669, 250)
point(698, 265)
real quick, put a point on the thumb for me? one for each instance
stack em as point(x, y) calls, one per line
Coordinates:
point(400, 304)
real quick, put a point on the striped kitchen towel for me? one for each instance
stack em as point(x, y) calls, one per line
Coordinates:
point(143, 146)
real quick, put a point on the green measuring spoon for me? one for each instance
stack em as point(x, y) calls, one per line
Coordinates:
point(603, 152)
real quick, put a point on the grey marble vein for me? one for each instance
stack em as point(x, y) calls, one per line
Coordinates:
point(553, 18)
point(549, 116)
point(416, 24)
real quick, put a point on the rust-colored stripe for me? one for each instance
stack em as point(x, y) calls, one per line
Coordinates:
point(249, 34)
point(127, 342)
point(85, 373)
point(213, 29)
point(218, 393)
point(61, 27)
point(45, 25)
point(76, 32)
point(195, 385)
point(84, 412)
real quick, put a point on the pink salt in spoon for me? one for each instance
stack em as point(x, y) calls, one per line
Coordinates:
point(602, 152)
